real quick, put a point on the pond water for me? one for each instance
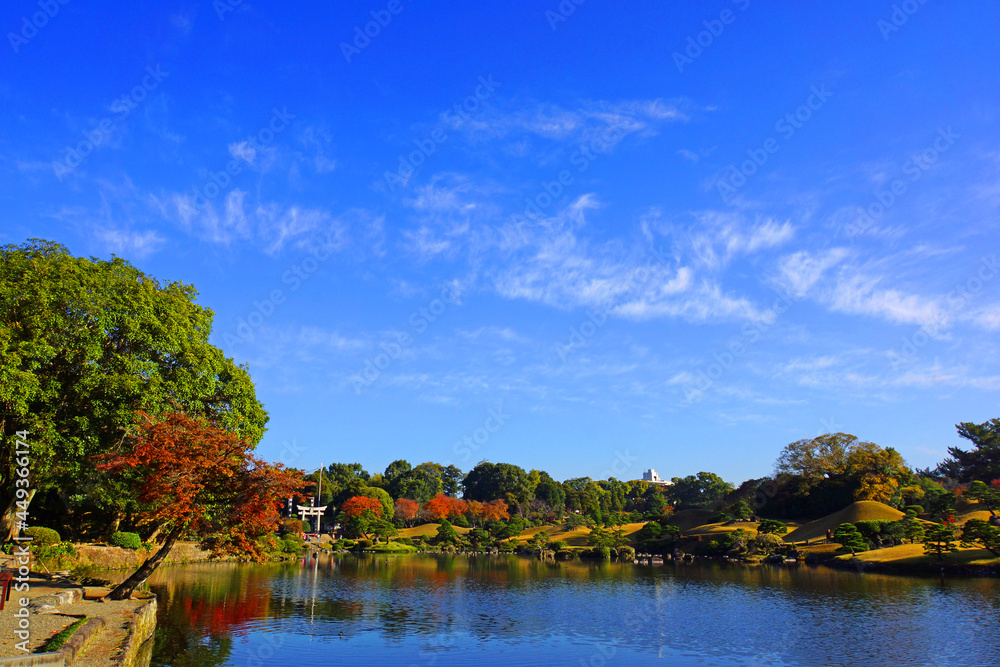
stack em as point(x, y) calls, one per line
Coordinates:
point(428, 610)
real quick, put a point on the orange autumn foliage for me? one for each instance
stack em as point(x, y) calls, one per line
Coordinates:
point(357, 505)
point(406, 509)
point(495, 510)
point(445, 507)
point(188, 472)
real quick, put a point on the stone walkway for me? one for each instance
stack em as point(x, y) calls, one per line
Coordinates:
point(56, 603)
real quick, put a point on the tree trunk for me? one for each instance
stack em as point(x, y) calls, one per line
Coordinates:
point(116, 522)
point(9, 524)
point(124, 589)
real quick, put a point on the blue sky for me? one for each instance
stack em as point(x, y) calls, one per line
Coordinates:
point(578, 238)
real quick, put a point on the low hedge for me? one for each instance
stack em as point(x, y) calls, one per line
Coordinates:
point(45, 537)
point(126, 540)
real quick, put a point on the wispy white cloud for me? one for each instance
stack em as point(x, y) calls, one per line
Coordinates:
point(800, 271)
point(129, 243)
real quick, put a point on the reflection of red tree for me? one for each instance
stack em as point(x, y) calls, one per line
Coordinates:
point(226, 614)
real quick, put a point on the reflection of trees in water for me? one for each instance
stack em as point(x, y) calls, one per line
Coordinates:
point(182, 645)
point(442, 599)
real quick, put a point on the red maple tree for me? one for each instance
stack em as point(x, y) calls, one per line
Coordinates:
point(495, 510)
point(356, 506)
point(406, 510)
point(445, 507)
point(194, 477)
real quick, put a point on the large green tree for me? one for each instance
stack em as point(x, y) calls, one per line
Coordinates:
point(84, 344)
point(817, 458)
point(702, 490)
point(492, 481)
point(982, 462)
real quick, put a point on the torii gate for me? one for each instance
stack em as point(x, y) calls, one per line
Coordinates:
point(313, 511)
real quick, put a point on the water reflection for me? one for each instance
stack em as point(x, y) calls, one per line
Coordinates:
point(511, 610)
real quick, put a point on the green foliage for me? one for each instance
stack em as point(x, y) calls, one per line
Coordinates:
point(343, 480)
point(383, 529)
point(650, 531)
point(538, 541)
point(982, 462)
point(871, 531)
point(56, 642)
point(915, 509)
point(492, 481)
point(574, 521)
point(382, 496)
point(363, 544)
point(772, 526)
point(393, 547)
point(42, 536)
point(293, 544)
point(602, 537)
point(702, 490)
point(740, 510)
point(939, 541)
point(84, 344)
point(767, 544)
point(625, 552)
point(420, 484)
point(550, 491)
point(53, 555)
point(894, 532)
point(849, 538)
point(672, 533)
point(446, 533)
point(987, 494)
point(126, 540)
point(479, 538)
point(912, 528)
point(979, 533)
point(501, 530)
point(462, 521)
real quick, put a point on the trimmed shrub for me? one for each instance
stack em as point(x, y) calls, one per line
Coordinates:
point(915, 509)
point(292, 544)
point(363, 544)
point(126, 540)
point(462, 521)
point(626, 553)
point(45, 537)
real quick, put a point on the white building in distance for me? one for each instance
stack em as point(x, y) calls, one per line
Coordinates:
point(651, 477)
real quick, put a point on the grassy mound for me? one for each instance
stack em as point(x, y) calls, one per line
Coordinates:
point(913, 555)
point(428, 530)
point(863, 510)
point(688, 519)
point(717, 529)
point(972, 512)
